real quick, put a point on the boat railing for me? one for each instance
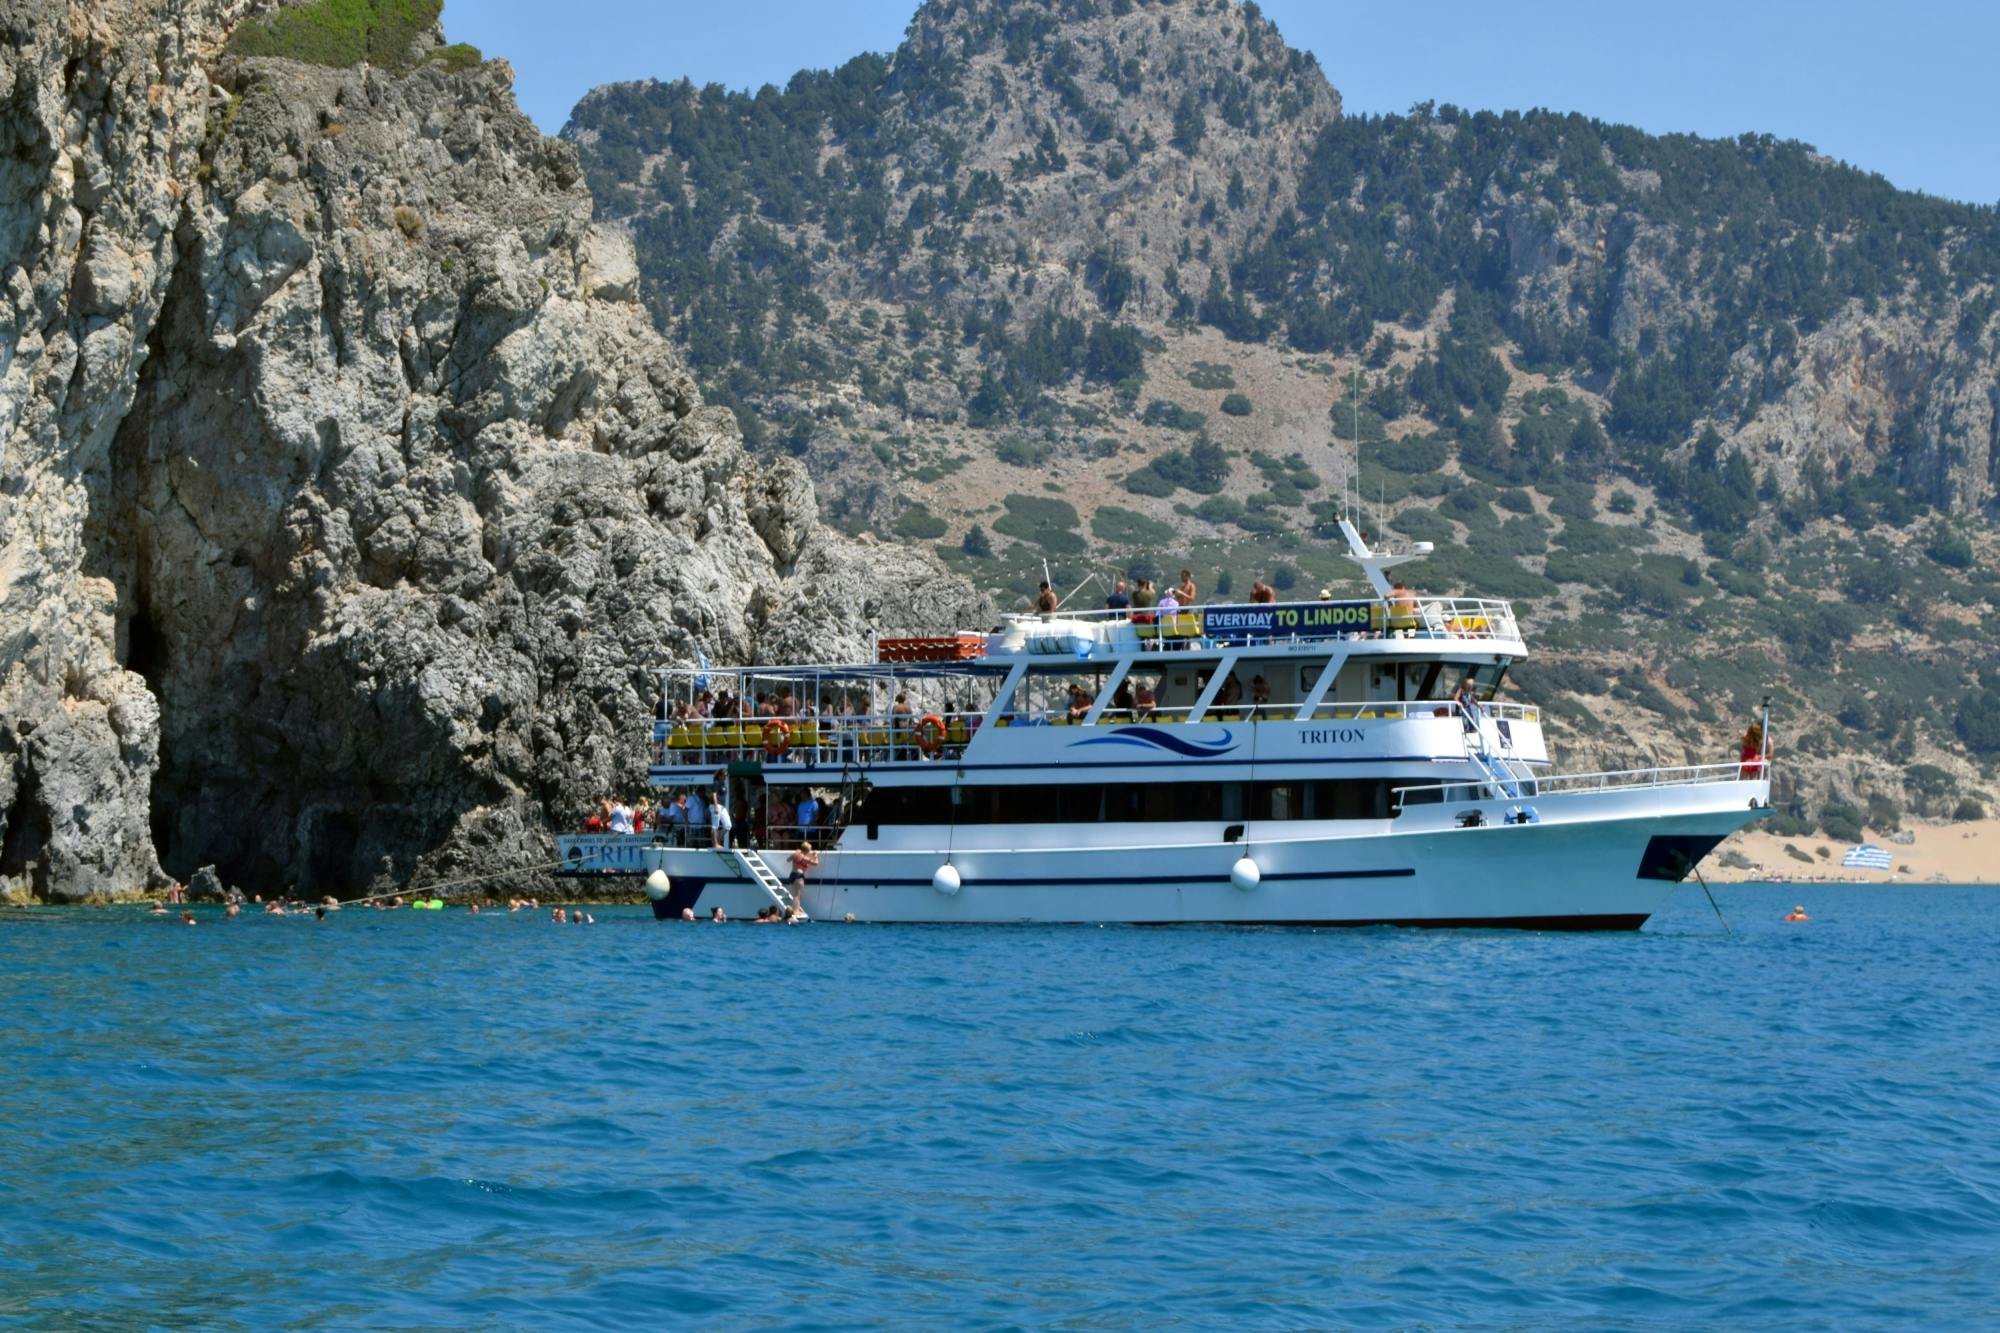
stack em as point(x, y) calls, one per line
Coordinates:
point(1558, 784)
point(898, 737)
point(824, 739)
point(1234, 624)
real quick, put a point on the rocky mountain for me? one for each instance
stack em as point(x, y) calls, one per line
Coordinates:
point(1115, 284)
point(347, 491)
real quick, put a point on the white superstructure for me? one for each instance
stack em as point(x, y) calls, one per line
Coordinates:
point(1296, 762)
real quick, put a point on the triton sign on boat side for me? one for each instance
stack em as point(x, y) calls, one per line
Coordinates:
point(1313, 763)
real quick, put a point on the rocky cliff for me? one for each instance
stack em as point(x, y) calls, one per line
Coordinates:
point(347, 490)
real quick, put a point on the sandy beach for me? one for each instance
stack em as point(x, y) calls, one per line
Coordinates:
point(1967, 853)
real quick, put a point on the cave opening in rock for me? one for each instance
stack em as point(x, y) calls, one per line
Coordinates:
point(27, 834)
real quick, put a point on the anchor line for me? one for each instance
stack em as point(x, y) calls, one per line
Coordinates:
point(1711, 901)
point(454, 883)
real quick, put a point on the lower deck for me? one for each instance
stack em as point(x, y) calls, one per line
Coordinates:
point(1586, 858)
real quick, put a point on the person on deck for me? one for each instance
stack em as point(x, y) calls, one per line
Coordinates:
point(1402, 609)
point(1466, 700)
point(719, 822)
point(1751, 756)
point(1170, 609)
point(1118, 600)
point(1045, 599)
point(1186, 592)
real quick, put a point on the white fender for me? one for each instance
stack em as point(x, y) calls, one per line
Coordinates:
point(1244, 874)
point(657, 885)
point(946, 880)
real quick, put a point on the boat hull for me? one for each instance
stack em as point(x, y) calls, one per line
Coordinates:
point(1591, 862)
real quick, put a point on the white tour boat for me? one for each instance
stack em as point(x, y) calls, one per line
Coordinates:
point(1300, 763)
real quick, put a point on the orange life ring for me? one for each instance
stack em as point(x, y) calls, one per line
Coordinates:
point(930, 733)
point(777, 736)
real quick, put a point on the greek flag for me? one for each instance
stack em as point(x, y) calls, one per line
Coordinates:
point(1866, 857)
point(701, 672)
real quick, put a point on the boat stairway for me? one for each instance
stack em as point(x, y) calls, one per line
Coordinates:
point(1504, 773)
point(753, 866)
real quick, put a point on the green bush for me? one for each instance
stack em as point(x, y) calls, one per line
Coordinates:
point(1129, 527)
point(1949, 549)
point(1423, 525)
point(1841, 822)
point(1263, 523)
point(1967, 810)
point(918, 524)
point(1220, 509)
point(1160, 412)
point(1236, 405)
point(1211, 375)
point(1148, 482)
point(1017, 452)
point(977, 544)
point(1978, 722)
point(457, 58)
point(1417, 453)
point(1545, 679)
point(343, 32)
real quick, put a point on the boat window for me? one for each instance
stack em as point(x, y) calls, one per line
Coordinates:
point(1138, 802)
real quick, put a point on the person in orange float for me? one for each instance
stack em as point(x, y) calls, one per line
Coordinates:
point(1798, 914)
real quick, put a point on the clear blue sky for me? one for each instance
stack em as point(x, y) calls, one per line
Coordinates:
point(1907, 89)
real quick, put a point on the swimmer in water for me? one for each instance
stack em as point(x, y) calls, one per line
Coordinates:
point(232, 910)
point(716, 915)
point(187, 917)
point(1798, 914)
point(687, 914)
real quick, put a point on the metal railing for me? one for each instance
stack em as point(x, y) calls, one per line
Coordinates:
point(893, 738)
point(831, 739)
point(1561, 783)
point(1232, 623)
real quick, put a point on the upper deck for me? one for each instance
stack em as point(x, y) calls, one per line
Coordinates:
point(1383, 625)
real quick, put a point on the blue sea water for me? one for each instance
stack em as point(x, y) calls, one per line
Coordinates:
point(448, 1121)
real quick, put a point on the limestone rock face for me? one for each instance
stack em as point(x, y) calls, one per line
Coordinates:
point(102, 110)
point(349, 492)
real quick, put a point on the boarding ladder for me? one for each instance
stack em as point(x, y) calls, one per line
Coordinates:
point(1498, 769)
point(753, 866)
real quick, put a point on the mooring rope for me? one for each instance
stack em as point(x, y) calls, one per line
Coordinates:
point(432, 889)
point(1712, 903)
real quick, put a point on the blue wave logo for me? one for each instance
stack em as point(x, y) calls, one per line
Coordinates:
point(1159, 739)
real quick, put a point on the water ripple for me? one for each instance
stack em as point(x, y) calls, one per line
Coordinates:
point(446, 1121)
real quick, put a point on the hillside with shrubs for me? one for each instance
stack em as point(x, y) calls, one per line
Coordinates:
point(1114, 284)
